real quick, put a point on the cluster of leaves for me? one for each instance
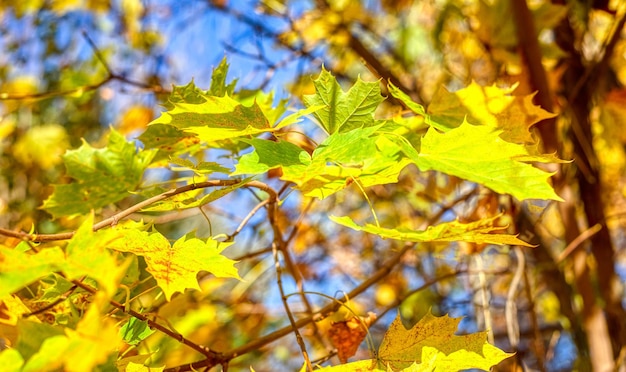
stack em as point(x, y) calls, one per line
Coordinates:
point(479, 134)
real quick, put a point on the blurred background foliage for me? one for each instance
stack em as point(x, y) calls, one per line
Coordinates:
point(71, 69)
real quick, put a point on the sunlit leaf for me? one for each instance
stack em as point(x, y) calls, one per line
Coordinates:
point(78, 350)
point(402, 347)
point(475, 232)
point(340, 160)
point(87, 254)
point(176, 266)
point(216, 118)
point(478, 154)
point(18, 269)
point(490, 106)
point(101, 176)
point(344, 111)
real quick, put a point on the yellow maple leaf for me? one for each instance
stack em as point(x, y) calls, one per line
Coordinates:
point(490, 106)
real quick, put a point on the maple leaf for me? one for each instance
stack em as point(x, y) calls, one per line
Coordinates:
point(490, 106)
point(479, 154)
point(87, 254)
point(402, 347)
point(18, 269)
point(347, 335)
point(215, 119)
point(343, 111)
point(430, 345)
point(176, 266)
point(476, 232)
point(357, 155)
point(80, 349)
point(102, 176)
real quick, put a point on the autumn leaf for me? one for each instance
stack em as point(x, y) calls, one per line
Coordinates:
point(18, 268)
point(479, 154)
point(402, 347)
point(175, 267)
point(88, 254)
point(80, 349)
point(490, 106)
point(101, 176)
point(347, 335)
point(430, 345)
point(476, 232)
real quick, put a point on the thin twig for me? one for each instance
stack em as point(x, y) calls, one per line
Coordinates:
point(571, 247)
point(244, 222)
point(61, 298)
point(292, 320)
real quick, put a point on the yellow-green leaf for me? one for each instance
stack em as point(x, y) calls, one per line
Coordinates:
point(474, 232)
point(358, 155)
point(402, 347)
point(490, 106)
point(102, 176)
point(18, 269)
point(175, 267)
point(479, 154)
point(87, 254)
point(78, 350)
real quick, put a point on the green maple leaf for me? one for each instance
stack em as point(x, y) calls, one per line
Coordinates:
point(175, 267)
point(478, 154)
point(358, 155)
point(219, 87)
point(474, 232)
point(102, 176)
point(343, 111)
